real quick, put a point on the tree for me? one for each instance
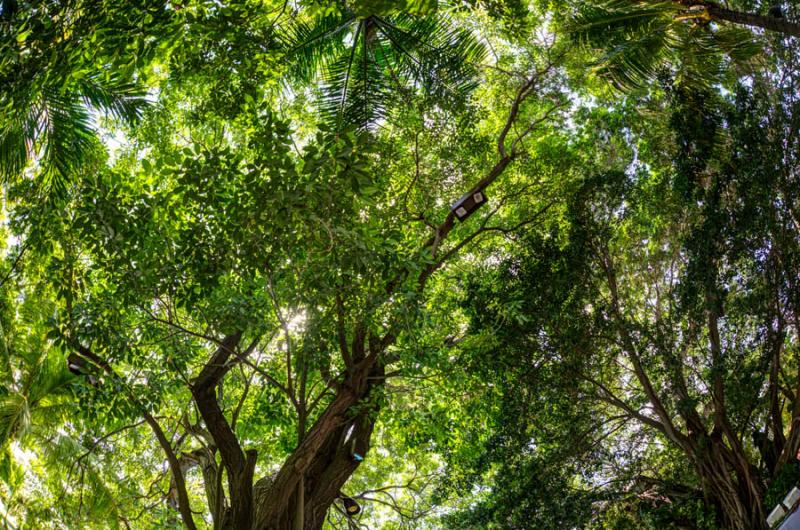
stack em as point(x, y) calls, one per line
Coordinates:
point(370, 56)
point(60, 63)
point(637, 40)
point(189, 272)
point(655, 323)
point(240, 312)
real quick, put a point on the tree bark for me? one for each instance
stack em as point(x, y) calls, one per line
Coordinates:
point(780, 25)
point(321, 462)
point(334, 466)
point(239, 464)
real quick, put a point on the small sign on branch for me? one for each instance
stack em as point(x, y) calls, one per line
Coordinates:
point(468, 204)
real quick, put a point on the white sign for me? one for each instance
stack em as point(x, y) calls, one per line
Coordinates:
point(775, 515)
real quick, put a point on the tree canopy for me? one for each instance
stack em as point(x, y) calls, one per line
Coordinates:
point(404, 265)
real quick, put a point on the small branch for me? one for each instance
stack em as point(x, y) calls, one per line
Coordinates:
point(237, 410)
point(105, 437)
point(485, 229)
point(16, 262)
point(183, 498)
point(340, 332)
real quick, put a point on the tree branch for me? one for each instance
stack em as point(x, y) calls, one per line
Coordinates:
point(183, 498)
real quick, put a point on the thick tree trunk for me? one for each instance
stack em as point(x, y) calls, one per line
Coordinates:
point(309, 482)
point(725, 487)
point(332, 469)
point(322, 463)
point(781, 25)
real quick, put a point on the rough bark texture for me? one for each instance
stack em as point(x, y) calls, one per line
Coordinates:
point(239, 465)
point(322, 459)
point(780, 25)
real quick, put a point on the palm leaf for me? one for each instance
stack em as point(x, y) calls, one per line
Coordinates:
point(15, 418)
point(436, 53)
point(353, 85)
point(633, 63)
point(593, 23)
point(109, 92)
point(50, 377)
point(59, 449)
point(634, 40)
point(310, 46)
point(738, 44)
point(366, 64)
point(56, 129)
point(66, 135)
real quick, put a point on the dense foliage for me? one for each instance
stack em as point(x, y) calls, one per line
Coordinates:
point(235, 292)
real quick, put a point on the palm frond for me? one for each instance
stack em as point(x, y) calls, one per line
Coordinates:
point(700, 62)
point(365, 64)
point(18, 130)
point(309, 46)
point(593, 23)
point(66, 136)
point(354, 89)
point(58, 449)
point(634, 63)
point(15, 418)
point(737, 43)
point(38, 402)
point(631, 39)
point(109, 92)
point(442, 57)
point(54, 127)
point(50, 377)
point(13, 149)
point(635, 40)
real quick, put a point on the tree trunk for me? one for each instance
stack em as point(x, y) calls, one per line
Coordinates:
point(321, 463)
point(781, 25)
point(332, 469)
point(726, 488)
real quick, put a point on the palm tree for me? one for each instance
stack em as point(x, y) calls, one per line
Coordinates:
point(34, 398)
point(54, 127)
point(35, 403)
point(636, 38)
point(365, 61)
point(772, 22)
point(54, 86)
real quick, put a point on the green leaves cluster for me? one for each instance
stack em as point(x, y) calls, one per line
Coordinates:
point(576, 354)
